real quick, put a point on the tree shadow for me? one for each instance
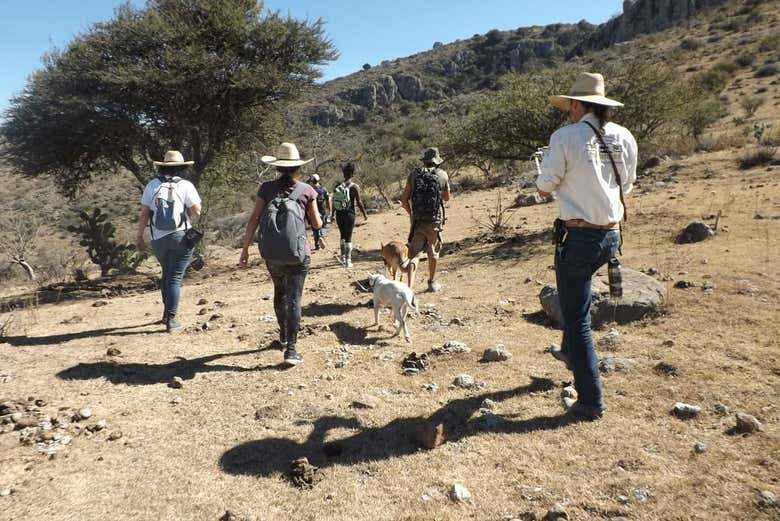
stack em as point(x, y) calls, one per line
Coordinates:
point(487, 247)
point(67, 337)
point(271, 455)
point(81, 290)
point(149, 374)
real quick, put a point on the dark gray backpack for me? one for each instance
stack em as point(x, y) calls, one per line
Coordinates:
point(283, 229)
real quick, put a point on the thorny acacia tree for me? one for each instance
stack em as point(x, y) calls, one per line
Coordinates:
point(193, 75)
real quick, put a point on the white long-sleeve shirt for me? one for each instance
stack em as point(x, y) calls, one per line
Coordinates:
point(581, 173)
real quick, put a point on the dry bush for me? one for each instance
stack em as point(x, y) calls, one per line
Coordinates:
point(724, 141)
point(767, 70)
point(745, 60)
point(750, 104)
point(691, 44)
point(770, 43)
point(497, 220)
point(770, 137)
point(757, 156)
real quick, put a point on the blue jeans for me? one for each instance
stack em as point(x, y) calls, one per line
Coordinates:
point(174, 256)
point(582, 252)
point(288, 289)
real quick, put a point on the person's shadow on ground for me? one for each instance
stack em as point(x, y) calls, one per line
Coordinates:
point(24, 340)
point(149, 374)
point(271, 455)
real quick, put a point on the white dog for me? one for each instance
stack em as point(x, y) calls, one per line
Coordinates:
point(392, 294)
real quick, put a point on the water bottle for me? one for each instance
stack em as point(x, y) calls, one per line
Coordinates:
point(615, 279)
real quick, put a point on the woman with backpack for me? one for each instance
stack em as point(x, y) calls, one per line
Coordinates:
point(345, 198)
point(167, 205)
point(281, 207)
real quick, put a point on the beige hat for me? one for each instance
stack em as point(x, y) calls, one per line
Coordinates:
point(173, 158)
point(286, 155)
point(431, 155)
point(587, 87)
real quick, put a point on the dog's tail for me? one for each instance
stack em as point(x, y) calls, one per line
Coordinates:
point(405, 263)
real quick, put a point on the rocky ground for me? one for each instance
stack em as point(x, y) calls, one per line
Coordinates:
point(104, 415)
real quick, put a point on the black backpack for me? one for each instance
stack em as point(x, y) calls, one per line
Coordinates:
point(426, 197)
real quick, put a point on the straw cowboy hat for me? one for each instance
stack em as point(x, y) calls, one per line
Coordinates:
point(173, 158)
point(286, 155)
point(587, 87)
point(431, 155)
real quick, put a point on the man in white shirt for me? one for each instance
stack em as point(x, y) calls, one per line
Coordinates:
point(590, 164)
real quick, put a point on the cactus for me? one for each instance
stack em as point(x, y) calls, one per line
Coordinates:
point(97, 236)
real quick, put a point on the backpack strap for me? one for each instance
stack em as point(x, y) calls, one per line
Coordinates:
point(619, 182)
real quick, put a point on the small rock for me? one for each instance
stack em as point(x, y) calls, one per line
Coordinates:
point(451, 347)
point(696, 231)
point(414, 362)
point(457, 322)
point(114, 435)
point(99, 426)
point(410, 371)
point(684, 284)
point(556, 513)
point(699, 447)
point(431, 387)
point(685, 410)
point(487, 403)
point(765, 499)
point(459, 493)
point(668, 343)
point(176, 400)
point(463, 381)
point(99, 304)
point(430, 435)
point(616, 365)
point(747, 424)
point(610, 340)
point(26, 422)
point(568, 403)
point(666, 369)
point(643, 494)
point(366, 401)
point(5, 492)
point(202, 302)
point(720, 409)
point(496, 353)
point(487, 420)
point(83, 413)
point(303, 474)
point(113, 351)
point(176, 383)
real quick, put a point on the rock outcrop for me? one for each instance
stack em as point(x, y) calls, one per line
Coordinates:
point(642, 17)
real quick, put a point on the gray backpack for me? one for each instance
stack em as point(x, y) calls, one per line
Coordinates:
point(283, 229)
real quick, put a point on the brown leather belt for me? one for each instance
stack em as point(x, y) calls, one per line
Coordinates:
point(581, 223)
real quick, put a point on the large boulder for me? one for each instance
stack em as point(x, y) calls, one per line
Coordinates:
point(409, 87)
point(642, 295)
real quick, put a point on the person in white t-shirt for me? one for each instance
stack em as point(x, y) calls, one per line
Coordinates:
point(168, 206)
point(590, 164)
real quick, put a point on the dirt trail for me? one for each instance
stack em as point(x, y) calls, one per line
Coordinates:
point(225, 440)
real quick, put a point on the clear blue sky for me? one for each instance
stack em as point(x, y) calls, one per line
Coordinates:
point(364, 31)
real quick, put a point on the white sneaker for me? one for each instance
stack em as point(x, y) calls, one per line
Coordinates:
point(349, 263)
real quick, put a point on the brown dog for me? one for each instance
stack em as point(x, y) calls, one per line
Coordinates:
point(396, 257)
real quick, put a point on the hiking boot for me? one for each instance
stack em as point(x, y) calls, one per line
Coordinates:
point(292, 358)
point(349, 262)
point(173, 326)
point(434, 286)
point(164, 319)
point(558, 354)
point(585, 412)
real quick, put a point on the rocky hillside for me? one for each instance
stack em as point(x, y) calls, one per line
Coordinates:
point(451, 70)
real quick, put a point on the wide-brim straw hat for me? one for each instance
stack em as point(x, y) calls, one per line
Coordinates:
point(173, 158)
point(286, 155)
point(431, 155)
point(588, 87)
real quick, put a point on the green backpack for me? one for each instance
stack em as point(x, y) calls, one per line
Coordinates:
point(341, 200)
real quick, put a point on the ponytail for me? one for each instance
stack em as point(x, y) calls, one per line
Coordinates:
point(602, 113)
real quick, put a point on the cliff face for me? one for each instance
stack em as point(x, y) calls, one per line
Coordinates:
point(642, 17)
point(474, 64)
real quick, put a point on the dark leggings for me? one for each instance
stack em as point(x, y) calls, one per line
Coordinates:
point(346, 223)
point(288, 288)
